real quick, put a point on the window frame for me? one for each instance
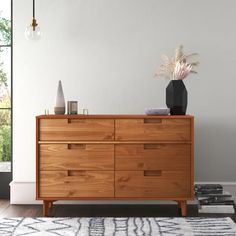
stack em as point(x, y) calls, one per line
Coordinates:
point(11, 71)
point(6, 177)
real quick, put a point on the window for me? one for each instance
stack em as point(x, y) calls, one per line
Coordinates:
point(5, 86)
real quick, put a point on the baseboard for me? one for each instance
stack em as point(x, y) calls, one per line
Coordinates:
point(25, 192)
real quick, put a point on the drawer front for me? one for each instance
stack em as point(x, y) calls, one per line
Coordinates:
point(76, 129)
point(81, 184)
point(76, 157)
point(152, 184)
point(153, 157)
point(158, 129)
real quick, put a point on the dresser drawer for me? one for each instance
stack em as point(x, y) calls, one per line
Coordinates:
point(76, 157)
point(66, 184)
point(158, 129)
point(153, 157)
point(76, 129)
point(152, 184)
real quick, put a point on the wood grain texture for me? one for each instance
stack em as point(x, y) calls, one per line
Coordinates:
point(170, 184)
point(163, 130)
point(115, 198)
point(111, 116)
point(83, 184)
point(76, 129)
point(153, 157)
point(115, 157)
point(76, 157)
point(109, 142)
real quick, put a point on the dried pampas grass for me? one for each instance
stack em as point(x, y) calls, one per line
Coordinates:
point(180, 61)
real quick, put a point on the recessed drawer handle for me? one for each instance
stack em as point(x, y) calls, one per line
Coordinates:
point(76, 172)
point(151, 121)
point(71, 121)
point(151, 146)
point(76, 146)
point(152, 172)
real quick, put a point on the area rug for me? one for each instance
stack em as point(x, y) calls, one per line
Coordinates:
point(117, 226)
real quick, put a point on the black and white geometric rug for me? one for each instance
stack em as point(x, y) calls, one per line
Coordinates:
point(110, 226)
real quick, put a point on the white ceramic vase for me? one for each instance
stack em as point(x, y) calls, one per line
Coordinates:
point(60, 108)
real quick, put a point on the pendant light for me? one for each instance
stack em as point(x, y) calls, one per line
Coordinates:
point(32, 32)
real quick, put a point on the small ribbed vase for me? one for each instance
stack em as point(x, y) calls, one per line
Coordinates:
point(176, 97)
point(60, 108)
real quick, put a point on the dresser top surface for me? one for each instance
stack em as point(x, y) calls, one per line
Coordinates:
point(112, 116)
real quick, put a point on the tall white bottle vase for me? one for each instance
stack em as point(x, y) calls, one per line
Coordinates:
point(60, 108)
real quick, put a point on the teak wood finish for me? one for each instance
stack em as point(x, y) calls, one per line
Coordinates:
point(91, 157)
point(155, 129)
point(123, 157)
point(158, 184)
point(76, 129)
point(76, 183)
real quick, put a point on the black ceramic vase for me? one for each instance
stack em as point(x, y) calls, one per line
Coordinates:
point(176, 97)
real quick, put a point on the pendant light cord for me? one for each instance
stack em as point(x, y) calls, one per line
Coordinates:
point(34, 9)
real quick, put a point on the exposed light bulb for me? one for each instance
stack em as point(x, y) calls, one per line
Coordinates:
point(32, 32)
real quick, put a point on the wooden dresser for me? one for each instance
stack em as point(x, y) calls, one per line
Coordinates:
point(125, 157)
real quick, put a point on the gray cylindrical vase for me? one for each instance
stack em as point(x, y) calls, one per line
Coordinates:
point(60, 108)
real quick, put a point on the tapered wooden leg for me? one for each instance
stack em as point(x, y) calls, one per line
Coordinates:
point(179, 205)
point(50, 204)
point(183, 206)
point(46, 208)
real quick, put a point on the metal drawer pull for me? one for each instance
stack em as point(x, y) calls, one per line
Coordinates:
point(151, 121)
point(152, 172)
point(76, 172)
point(151, 146)
point(71, 121)
point(76, 146)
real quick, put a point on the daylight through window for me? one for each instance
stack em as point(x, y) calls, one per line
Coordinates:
point(5, 86)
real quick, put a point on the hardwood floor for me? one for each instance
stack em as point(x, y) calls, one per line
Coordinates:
point(7, 210)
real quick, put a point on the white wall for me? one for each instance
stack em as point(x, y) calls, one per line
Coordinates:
point(106, 53)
